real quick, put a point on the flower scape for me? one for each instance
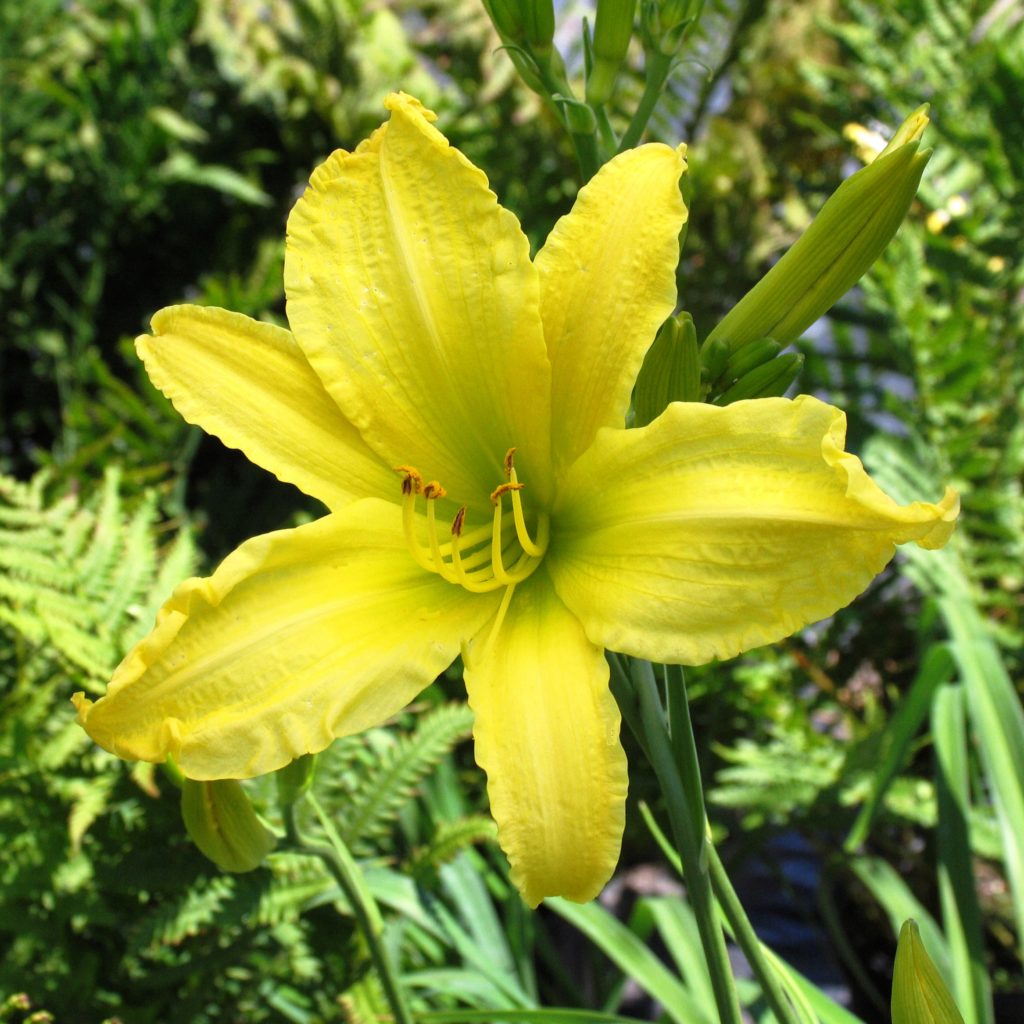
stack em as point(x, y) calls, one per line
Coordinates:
point(459, 408)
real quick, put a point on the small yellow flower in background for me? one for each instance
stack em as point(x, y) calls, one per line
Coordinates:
point(524, 527)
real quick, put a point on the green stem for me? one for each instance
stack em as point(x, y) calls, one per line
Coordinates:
point(655, 75)
point(350, 879)
point(689, 840)
point(746, 938)
point(684, 746)
point(609, 144)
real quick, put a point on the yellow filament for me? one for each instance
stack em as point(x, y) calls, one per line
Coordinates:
point(479, 583)
point(435, 548)
point(517, 511)
point(409, 527)
point(497, 565)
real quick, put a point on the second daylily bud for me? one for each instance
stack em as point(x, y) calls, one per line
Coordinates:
point(664, 23)
point(670, 372)
point(613, 29)
point(767, 380)
point(507, 16)
point(750, 356)
point(919, 995)
point(221, 822)
point(848, 235)
point(539, 26)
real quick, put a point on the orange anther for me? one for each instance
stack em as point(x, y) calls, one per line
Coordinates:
point(458, 521)
point(509, 461)
point(433, 490)
point(504, 489)
point(413, 482)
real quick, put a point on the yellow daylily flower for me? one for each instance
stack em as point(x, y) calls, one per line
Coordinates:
point(525, 527)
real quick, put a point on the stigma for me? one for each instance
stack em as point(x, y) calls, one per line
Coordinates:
point(481, 558)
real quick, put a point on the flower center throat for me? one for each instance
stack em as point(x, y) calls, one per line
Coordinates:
point(486, 557)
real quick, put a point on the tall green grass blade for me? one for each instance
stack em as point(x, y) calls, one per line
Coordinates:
point(887, 886)
point(937, 668)
point(961, 914)
point(808, 1001)
point(998, 720)
point(632, 956)
point(547, 1016)
point(676, 926)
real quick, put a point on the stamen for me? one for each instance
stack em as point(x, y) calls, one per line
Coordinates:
point(517, 511)
point(409, 489)
point(477, 559)
point(431, 492)
point(477, 583)
point(460, 518)
point(413, 482)
point(504, 489)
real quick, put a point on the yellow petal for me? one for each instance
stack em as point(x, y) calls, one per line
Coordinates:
point(412, 293)
point(715, 530)
point(248, 383)
point(608, 280)
point(298, 637)
point(547, 734)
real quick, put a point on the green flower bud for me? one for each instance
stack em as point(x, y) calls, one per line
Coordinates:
point(769, 380)
point(750, 356)
point(222, 823)
point(664, 23)
point(507, 16)
point(539, 26)
point(919, 995)
point(714, 354)
point(854, 226)
point(613, 29)
point(670, 372)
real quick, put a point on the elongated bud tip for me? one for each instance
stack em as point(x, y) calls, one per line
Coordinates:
point(919, 995)
point(910, 131)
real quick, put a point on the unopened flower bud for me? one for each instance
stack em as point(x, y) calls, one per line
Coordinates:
point(768, 380)
point(670, 372)
point(221, 822)
point(613, 29)
point(919, 995)
point(847, 236)
point(664, 23)
point(539, 26)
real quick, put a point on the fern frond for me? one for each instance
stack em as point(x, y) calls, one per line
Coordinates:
point(450, 838)
point(79, 574)
point(295, 884)
point(173, 923)
point(371, 810)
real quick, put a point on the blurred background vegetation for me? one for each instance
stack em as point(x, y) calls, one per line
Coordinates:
point(150, 154)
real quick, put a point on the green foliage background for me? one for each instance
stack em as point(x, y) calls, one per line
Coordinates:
point(150, 153)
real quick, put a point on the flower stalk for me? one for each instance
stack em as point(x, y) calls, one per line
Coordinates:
point(675, 768)
point(343, 867)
